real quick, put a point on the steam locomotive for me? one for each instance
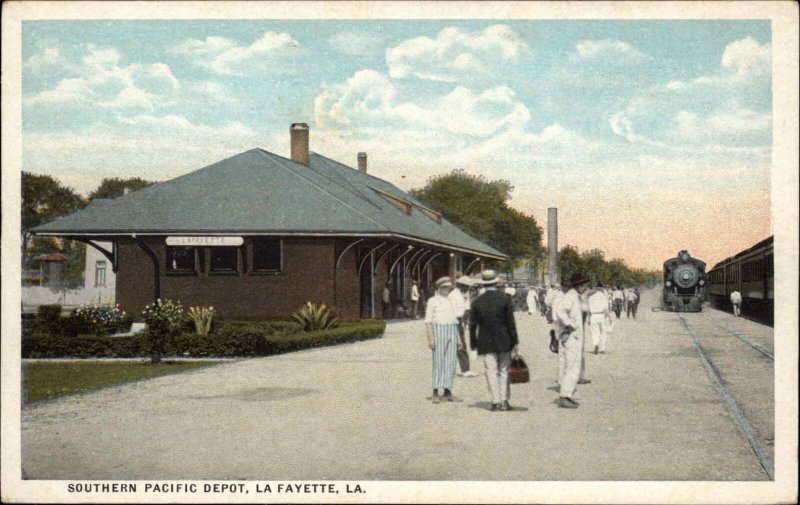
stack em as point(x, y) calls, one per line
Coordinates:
point(751, 272)
point(685, 284)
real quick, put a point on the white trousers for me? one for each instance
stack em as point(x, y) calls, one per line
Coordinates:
point(497, 365)
point(570, 363)
point(597, 323)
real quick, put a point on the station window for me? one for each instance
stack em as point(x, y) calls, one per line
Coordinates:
point(266, 255)
point(224, 260)
point(181, 260)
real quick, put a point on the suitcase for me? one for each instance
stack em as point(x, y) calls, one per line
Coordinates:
point(518, 372)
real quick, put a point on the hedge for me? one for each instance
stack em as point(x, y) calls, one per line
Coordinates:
point(239, 338)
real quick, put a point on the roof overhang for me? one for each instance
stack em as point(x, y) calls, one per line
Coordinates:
point(396, 236)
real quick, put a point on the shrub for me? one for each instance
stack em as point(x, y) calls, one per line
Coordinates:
point(314, 317)
point(234, 338)
point(164, 319)
point(102, 319)
point(49, 313)
point(202, 317)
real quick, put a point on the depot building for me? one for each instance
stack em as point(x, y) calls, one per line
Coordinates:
point(259, 235)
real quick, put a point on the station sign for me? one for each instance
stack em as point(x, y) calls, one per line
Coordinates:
point(205, 241)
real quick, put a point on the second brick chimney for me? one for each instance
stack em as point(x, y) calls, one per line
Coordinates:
point(362, 162)
point(299, 139)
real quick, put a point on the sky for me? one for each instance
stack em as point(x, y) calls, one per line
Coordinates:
point(649, 136)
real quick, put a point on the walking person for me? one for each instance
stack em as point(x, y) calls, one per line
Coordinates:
point(493, 331)
point(633, 301)
point(736, 301)
point(441, 327)
point(598, 315)
point(532, 300)
point(619, 299)
point(569, 315)
point(414, 300)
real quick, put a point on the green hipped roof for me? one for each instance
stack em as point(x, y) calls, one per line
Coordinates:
point(260, 192)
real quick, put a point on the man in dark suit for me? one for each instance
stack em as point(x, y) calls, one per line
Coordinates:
point(493, 332)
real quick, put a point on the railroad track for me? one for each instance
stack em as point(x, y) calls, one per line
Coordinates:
point(715, 373)
point(744, 337)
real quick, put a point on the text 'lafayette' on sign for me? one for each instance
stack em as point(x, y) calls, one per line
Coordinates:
point(205, 241)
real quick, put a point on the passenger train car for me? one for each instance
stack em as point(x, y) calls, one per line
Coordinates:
point(685, 284)
point(751, 272)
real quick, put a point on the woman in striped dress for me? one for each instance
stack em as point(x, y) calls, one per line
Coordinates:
point(441, 325)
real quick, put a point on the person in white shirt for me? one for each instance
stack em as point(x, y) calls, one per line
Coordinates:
point(619, 299)
point(414, 300)
point(531, 299)
point(548, 303)
point(736, 301)
point(632, 300)
point(441, 326)
point(598, 315)
point(570, 323)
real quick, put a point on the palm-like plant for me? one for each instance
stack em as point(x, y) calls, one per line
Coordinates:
point(315, 317)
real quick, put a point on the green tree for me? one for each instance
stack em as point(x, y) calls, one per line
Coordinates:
point(114, 187)
point(479, 207)
point(44, 199)
point(570, 262)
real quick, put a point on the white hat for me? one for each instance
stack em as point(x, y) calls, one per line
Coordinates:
point(489, 278)
point(464, 281)
point(443, 281)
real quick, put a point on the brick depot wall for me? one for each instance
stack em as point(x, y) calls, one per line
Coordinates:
point(308, 266)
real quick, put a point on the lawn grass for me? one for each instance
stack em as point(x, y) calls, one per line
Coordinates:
point(42, 380)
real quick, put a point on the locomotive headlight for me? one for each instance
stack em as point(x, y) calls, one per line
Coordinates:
point(668, 283)
point(701, 282)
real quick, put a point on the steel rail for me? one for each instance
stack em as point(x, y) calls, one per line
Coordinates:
point(730, 402)
point(743, 337)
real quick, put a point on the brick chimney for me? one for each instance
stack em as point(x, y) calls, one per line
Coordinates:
point(299, 137)
point(362, 162)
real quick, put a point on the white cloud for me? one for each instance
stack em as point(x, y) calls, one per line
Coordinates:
point(47, 59)
point(723, 111)
point(370, 99)
point(455, 54)
point(226, 57)
point(103, 80)
point(747, 56)
point(616, 50)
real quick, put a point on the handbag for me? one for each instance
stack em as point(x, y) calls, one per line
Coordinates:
point(553, 342)
point(518, 372)
point(463, 360)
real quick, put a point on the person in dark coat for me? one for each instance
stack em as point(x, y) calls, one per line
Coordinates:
point(493, 332)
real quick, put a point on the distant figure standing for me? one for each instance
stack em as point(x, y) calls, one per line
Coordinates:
point(736, 301)
point(532, 300)
point(414, 300)
point(632, 300)
point(459, 297)
point(493, 331)
point(598, 315)
point(441, 326)
point(387, 301)
point(619, 299)
point(569, 315)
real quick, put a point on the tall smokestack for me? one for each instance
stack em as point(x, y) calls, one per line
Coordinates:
point(552, 243)
point(362, 162)
point(299, 138)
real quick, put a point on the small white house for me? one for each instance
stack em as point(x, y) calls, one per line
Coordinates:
point(99, 285)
